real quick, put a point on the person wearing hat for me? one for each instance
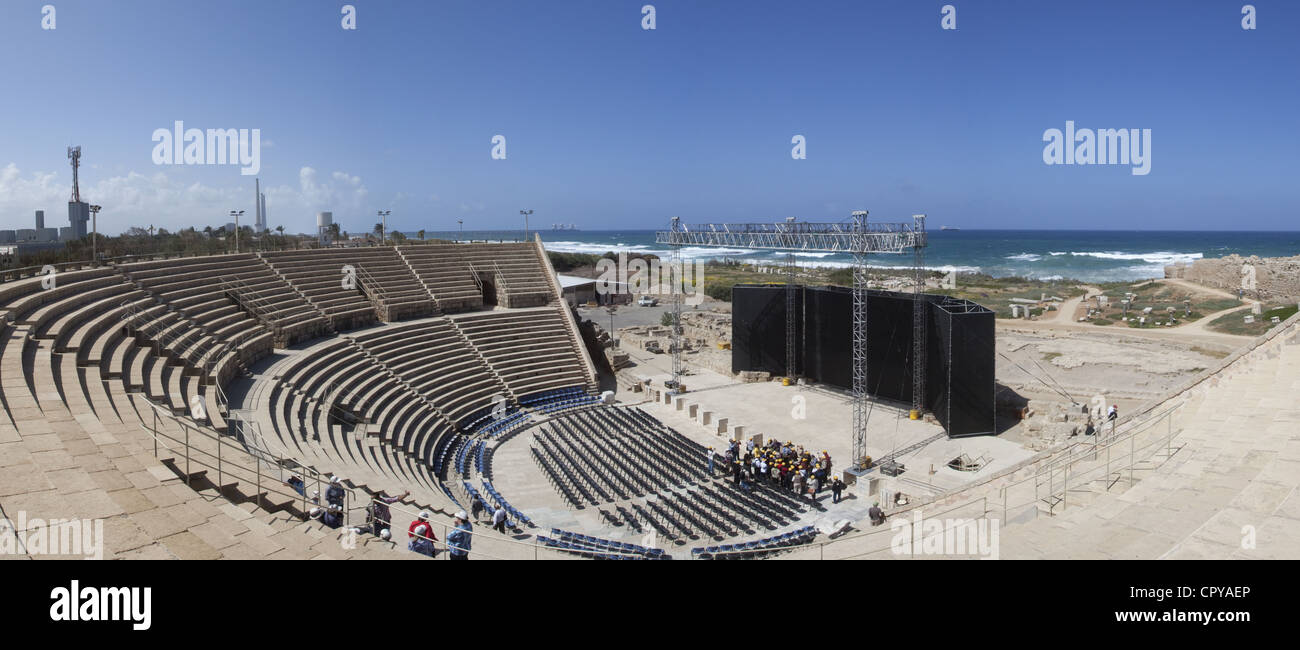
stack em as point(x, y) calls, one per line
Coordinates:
point(378, 516)
point(333, 516)
point(837, 487)
point(813, 484)
point(422, 518)
point(797, 483)
point(335, 494)
point(476, 508)
point(458, 541)
point(422, 540)
point(297, 484)
point(877, 515)
point(420, 537)
point(499, 520)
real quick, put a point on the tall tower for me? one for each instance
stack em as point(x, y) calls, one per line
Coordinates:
point(261, 207)
point(78, 210)
point(74, 154)
point(257, 205)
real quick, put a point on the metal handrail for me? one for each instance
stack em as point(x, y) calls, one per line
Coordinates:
point(473, 273)
point(222, 463)
point(371, 287)
point(159, 335)
point(983, 500)
point(251, 299)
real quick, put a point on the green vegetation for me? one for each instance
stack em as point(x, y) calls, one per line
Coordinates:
point(187, 242)
point(1217, 354)
point(1167, 302)
point(1235, 322)
point(565, 262)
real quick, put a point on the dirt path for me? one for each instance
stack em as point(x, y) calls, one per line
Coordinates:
point(1194, 332)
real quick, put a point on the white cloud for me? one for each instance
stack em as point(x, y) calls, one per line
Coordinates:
point(168, 201)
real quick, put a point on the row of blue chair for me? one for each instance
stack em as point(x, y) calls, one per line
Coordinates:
point(756, 548)
point(546, 395)
point(568, 403)
point(501, 502)
point(599, 544)
point(586, 552)
point(504, 424)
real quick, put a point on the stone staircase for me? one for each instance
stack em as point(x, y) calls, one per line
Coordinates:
point(1231, 475)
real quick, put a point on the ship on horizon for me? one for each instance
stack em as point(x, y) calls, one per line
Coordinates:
point(949, 228)
point(567, 227)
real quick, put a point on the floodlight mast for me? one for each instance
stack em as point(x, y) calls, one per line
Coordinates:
point(858, 237)
point(676, 325)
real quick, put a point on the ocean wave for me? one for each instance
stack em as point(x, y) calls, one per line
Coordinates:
point(947, 268)
point(688, 252)
point(1025, 257)
point(1155, 257)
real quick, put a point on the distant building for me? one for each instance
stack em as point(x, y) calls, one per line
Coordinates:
point(40, 219)
point(78, 215)
point(580, 291)
point(8, 236)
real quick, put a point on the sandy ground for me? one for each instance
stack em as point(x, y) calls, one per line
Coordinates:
point(1084, 363)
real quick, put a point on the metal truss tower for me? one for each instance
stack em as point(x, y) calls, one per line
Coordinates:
point(918, 315)
point(791, 320)
point(677, 277)
point(857, 237)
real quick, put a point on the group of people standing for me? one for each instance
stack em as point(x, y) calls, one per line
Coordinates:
point(422, 540)
point(781, 464)
point(420, 536)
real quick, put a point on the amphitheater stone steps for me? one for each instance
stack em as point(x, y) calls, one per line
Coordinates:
point(1236, 464)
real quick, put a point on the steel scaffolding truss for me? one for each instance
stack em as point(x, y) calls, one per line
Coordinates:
point(677, 278)
point(918, 314)
point(858, 237)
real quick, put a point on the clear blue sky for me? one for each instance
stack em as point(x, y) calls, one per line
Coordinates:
point(611, 126)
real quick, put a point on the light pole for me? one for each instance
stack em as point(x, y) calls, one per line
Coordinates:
point(236, 214)
point(612, 309)
point(460, 225)
point(94, 232)
point(525, 213)
point(383, 228)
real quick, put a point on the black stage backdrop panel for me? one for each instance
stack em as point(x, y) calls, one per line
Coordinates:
point(970, 355)
point(959, 344)
point(826, 348)
point(758, 328)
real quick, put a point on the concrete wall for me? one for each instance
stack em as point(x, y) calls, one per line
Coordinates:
point(1275, 278)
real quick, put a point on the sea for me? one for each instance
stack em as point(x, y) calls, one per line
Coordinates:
point(1091, 256)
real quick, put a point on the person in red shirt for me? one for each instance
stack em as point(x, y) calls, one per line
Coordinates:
point(424, 519)
point(421, 536)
